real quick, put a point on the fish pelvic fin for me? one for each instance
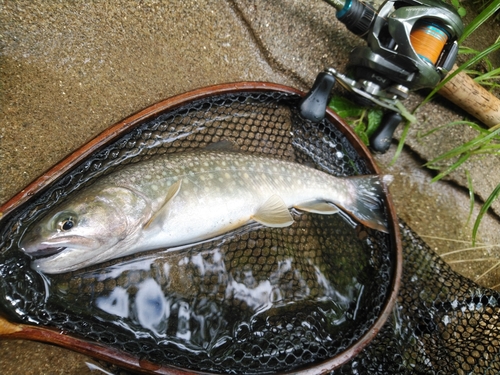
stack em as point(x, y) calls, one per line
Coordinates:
point(274, 213)
point(367, 200)
point(317, 207)
point(160, 214)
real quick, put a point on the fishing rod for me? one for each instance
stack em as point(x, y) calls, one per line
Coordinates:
point(411, 45)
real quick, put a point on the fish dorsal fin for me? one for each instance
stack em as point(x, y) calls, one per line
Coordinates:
point(158, 216)
point(317, 207)
point(274, 213)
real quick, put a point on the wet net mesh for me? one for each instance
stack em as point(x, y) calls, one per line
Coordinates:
point(442, 323)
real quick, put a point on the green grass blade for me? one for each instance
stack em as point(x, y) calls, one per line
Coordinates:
point(486, 206)
point(473, 125)
point(480, 19)
point(491, 74)
point(467, 50)
point(480, 140)
point(463, 158)
point(464, 66)
point(401, 143)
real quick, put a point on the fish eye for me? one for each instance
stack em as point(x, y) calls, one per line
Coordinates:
point(67, 224)
point(64, 221)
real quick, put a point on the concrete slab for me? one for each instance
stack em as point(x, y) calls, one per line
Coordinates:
point(68, 70)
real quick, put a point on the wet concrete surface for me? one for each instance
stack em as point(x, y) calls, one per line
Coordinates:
point(69, 70)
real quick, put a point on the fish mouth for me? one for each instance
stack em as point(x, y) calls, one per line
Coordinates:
point(65, 260)
point(38, 248)
point(47, 252)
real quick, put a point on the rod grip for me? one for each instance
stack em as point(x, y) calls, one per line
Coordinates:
point(473, 98)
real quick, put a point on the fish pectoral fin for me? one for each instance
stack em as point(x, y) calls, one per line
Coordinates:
point(317, 207)
point(160, 214)
point(274, 213)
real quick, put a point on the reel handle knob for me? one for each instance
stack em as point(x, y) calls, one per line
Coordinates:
point(313, 106)
point(380, 141)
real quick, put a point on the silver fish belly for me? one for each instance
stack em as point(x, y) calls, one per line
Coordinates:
point(180, 199)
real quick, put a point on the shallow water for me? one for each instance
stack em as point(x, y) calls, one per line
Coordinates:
point(209, 299)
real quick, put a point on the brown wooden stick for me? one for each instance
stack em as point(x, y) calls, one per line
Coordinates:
point(473, 98)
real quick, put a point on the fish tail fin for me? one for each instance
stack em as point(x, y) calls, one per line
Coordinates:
point(367, 203)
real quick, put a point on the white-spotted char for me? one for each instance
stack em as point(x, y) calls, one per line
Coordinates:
point(183, 198)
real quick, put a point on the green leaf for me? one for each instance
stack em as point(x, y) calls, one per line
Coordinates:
point(364, 138)
point(360, 130)
point(344, 107)
point(374, 119)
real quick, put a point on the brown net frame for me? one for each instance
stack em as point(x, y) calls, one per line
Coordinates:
point(442, 323)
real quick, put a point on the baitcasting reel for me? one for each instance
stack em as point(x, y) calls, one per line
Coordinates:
point(411, 44)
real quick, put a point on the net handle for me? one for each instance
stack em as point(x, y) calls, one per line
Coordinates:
point(16, 331)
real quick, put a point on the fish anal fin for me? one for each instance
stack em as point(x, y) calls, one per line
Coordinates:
point(160, 214)
point(317, 207)
point(274, 213)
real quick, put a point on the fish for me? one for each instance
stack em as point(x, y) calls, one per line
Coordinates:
point(183, 198)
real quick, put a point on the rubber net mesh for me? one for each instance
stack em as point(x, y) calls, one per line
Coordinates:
point(442, 323)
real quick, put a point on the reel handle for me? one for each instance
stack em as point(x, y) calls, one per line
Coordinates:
point(380, 141)
point(472, 97)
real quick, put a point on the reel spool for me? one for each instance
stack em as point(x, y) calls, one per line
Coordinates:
point(411, 43)
point(428, 40)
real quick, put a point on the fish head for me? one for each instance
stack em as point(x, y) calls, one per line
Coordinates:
point(89, 228)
